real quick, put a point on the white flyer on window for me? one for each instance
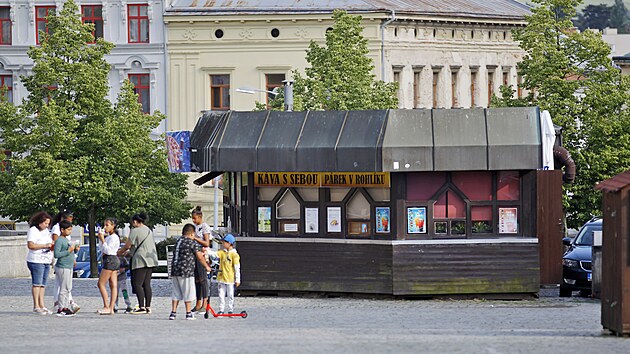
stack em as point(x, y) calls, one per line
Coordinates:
point(334, 219)
point(311, 220)
point(508, 220)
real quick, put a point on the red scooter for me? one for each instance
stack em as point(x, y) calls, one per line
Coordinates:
point(209, 310)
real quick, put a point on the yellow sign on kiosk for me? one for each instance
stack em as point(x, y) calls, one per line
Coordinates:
point(322, 179)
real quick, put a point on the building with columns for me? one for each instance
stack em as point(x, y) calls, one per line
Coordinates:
point(445, 54)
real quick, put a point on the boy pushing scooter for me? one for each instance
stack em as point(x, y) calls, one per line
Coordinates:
point(229, 277)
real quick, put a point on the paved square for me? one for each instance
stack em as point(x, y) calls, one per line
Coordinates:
point(306, 325)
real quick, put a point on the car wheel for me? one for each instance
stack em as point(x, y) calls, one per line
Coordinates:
point(564, 292)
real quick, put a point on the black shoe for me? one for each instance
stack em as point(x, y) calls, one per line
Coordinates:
point(190, 316)
point(139, 311)
point(65, 313)
point(129, 309)
point(172, 316)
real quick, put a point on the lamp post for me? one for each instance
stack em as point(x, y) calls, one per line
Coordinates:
point(288, 93)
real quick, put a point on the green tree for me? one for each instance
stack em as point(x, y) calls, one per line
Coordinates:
point(594, 16)
point(73, 149)
point(620, 17)
point(340, 76)
point(574, 79)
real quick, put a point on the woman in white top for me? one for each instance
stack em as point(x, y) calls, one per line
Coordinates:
point(111, 265)
point(39, 258)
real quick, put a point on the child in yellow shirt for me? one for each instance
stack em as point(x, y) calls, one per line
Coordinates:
point(229, 272)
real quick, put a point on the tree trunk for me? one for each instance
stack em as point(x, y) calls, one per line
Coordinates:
point(92, 237)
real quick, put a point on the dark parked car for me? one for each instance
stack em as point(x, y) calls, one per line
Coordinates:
point(576, 263)
point(82, 268)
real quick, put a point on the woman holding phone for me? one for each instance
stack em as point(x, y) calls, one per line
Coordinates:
point(110, 242)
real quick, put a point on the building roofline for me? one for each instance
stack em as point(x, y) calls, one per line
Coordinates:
point(171, 14)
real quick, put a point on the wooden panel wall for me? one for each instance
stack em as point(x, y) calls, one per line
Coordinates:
point(549, 225)
point(615, 281)
point(398, 269)
point(316, 266)
point(492, 268)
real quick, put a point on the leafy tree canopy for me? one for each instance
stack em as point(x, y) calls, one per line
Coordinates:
point(340, 76)
point(620, 17)
point(594, 16)
point(570, 74)
point(72, 148)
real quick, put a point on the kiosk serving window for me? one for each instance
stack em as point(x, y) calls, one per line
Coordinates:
point(421, 205)
point(465, 204)
point(334, 205)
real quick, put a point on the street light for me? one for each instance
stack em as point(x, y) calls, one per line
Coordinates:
point(251, 91)
point(288, 93)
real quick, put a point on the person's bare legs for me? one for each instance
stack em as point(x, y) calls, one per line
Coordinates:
point(40, 296)
point(175, 303)
point(113, 286)
point(188, 304)
point(35, 297)
point(102, 282)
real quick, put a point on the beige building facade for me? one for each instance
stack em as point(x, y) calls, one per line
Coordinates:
point(447, 59)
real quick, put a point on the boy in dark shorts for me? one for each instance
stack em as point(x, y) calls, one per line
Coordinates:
point(183, 270)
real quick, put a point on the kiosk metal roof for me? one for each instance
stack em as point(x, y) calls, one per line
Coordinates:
point(368, 141)
point(460, 142)
point(514, 133)
point(408, 140)
point(317, 142)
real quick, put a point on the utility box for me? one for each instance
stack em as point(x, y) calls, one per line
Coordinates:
point(615, 265)
point(597, 264)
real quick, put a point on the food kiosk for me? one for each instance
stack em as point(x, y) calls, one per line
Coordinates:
point(395, 202)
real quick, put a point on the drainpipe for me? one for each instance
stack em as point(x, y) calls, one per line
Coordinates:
point(562, 157)
point(390, 20)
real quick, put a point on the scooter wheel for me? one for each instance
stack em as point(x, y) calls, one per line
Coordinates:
point(244, 314)
point(205, 315)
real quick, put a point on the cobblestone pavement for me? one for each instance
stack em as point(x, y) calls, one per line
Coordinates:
point(287, 325)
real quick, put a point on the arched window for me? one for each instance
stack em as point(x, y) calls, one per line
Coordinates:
point(288, 212)
point(450, 210)
point(141, 81)
point(358, 214)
